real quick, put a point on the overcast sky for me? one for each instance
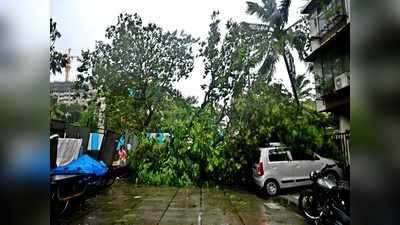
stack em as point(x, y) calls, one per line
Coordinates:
point(82, 22)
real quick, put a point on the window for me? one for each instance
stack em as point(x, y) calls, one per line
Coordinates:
point(314, 30)
point(276, 156)
point(322, 23)
point(333, 63)
point(302, 155)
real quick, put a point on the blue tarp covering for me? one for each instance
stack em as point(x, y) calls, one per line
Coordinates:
point(95, 140)
point(83, 165)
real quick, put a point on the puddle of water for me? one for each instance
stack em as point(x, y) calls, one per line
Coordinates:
point(211, 206)
point(272, 205)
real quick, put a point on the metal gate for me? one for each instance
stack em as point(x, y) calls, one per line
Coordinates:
point(342, 141)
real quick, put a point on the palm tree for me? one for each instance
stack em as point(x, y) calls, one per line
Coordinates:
point(275, 39)
point(302, 86)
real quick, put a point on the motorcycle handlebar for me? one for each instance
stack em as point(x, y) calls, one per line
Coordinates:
point(316, 174)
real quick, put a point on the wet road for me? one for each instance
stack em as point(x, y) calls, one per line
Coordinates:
point(124, 203)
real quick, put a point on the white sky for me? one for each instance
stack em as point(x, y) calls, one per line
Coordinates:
point(81, 22)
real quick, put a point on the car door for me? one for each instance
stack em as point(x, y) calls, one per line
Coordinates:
point(312, 162)
point(280, 167)
point(303, 164)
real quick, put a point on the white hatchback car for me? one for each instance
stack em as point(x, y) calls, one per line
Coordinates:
point(279, 168)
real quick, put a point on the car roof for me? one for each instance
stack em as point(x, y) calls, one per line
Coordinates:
point(273, 148)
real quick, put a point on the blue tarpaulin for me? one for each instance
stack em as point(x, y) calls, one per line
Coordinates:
point(95, 140)
point(83, 165)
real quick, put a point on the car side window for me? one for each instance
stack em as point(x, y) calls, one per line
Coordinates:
point(297, 155)
point(277, 156)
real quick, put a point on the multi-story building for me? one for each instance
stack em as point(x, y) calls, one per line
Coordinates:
point(330, 54)
point(64, 92)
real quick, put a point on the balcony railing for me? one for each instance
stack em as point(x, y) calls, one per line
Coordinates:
point(342, 141)
point(331, 17)
point(324, 86)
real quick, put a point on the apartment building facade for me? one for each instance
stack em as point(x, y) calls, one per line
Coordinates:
point(65, 92)
point(330, 54)
point(329, 22)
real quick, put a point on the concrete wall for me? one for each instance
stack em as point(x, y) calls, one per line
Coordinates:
point(344, 123)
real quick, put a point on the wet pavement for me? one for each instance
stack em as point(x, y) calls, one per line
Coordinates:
point(125, 203)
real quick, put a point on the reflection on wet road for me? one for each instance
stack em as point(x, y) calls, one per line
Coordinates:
point(124, 203)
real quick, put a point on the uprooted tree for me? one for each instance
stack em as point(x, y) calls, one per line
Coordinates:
point(215, 141)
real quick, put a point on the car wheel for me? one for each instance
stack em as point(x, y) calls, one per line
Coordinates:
point(308, 206)
point(271, 187)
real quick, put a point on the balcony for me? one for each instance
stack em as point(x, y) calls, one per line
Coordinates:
point(326, 20)
point(331, 85)
point(331, 19)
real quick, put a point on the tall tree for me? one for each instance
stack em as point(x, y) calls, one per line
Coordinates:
point(227, 64)
point(134, 69)
point(276, 39)
point(63, 111)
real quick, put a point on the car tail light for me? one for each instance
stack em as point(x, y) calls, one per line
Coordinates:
point(260, 169)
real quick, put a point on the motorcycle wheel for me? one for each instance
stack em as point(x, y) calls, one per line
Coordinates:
point(308, 206)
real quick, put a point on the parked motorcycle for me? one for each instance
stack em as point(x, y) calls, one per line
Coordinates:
point(327, 202)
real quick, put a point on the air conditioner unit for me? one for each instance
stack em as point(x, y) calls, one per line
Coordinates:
point(342, 81)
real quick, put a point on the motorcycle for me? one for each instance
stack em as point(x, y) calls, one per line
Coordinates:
point(327, 202)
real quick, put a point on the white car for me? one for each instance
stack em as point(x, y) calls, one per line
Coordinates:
point(279, 168)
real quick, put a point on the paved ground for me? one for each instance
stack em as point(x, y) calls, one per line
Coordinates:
point(137, 205)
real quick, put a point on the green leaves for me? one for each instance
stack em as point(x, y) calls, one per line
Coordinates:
point(140, 57)
point(274, 39)
point(196, 155)
point(284, 10)
point(57, 60)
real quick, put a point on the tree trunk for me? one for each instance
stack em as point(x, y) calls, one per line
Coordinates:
point(291, 78)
